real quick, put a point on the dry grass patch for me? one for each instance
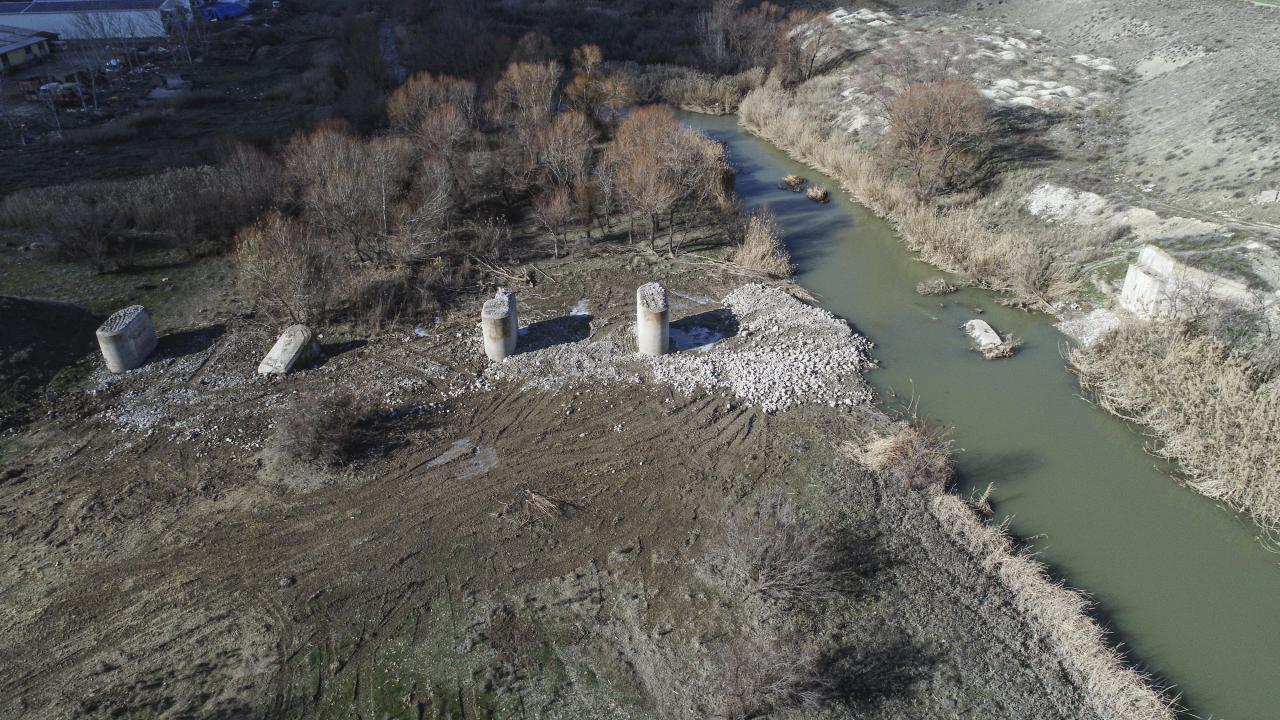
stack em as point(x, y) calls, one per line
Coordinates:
point(918, 456)
point(936, 286)
point(762, 247)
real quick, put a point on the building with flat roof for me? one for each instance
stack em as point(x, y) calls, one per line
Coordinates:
point(19, 46)
point(91, 19)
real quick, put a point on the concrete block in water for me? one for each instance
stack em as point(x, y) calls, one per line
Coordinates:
point(653, 328)
point(499, 325)
point(983, 336)
point(295, 345)
point(127, 338)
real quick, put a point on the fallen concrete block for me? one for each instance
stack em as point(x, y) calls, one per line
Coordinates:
point(295, 345)
point(127, 338)
point(983, 336)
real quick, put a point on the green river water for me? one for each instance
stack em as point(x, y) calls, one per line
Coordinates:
point(1184, 585)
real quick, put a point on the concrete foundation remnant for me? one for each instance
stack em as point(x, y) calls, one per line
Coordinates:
point(983, 336)
point(499, 325)
point(1158, 285)
point(296, 344)
point(127, 338)
point(653, 326)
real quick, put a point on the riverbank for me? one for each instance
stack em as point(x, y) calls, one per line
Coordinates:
point(1119, 691)
point(1034, 272)
point(1078, 483)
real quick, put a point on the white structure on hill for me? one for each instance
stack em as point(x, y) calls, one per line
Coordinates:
point(94, 19)
point(1158, 285)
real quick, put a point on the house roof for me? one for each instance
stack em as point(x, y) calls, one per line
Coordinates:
point(31, 7)
point(12, 38)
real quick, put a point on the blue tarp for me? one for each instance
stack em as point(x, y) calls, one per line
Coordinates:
point(218, 12)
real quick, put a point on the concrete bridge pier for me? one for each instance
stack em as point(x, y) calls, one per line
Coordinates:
point(127, 338)
point(653, 327)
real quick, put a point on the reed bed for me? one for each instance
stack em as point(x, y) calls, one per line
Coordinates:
point(953, 238)
point(1201, 401)
point(1059, 615)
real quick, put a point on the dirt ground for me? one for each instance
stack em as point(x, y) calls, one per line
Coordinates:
point(163, 558)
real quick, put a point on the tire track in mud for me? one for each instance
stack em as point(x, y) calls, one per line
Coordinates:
point(310, 587)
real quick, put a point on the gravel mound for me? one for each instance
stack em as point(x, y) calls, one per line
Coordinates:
point(783, 353)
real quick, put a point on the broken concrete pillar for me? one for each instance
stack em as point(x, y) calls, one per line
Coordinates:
point(983, 336)
point(653, 328)
point(296, 344)
point(499, 325)
point(510, 297)
point(127, 338)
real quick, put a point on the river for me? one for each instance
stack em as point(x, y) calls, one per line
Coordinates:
point(1183, 584)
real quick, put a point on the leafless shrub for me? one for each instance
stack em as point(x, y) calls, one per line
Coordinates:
point(918, 456)
point(818, 194)
point(939, 134)
point(936, 286)
point(691, 89)
point(1201, 399)
point(760, 678)
point(794, 183)
point(490, 237)
point(289, 270)
point(333, 428)
point(773, 553)
point(109, 132)
point(762, 247)
point(87, 231)
point(157, 208)
point(1007, 348)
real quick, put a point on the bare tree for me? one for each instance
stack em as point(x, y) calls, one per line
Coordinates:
point(423, 93)
point(939, 133)
point(553, 209)
point(346, 186)
point(533, 47)
point(807, 34)
point(564, 149)
point(733, 39)
point(637, 167)
point(287, 268)
point(655, 164)
point(524, 97)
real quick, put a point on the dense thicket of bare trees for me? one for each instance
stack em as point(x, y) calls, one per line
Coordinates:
point(655, 164)
point(369, 213)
